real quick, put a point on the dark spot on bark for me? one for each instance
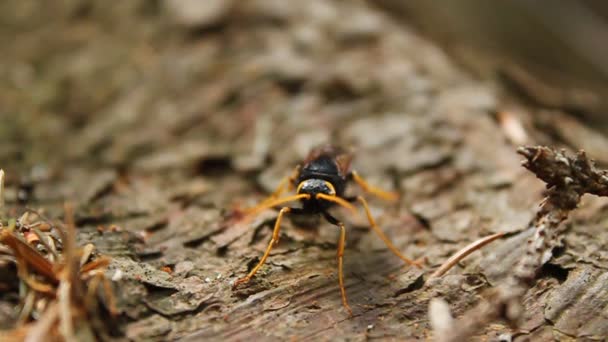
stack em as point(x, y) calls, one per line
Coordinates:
point(214, 166)
point(416, 285)
point(554, 271)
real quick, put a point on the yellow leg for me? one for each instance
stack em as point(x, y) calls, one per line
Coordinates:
point(273, 241)
point(286, 183)
point(341, 244)
point(385, 195)
point(278, 192)
point(280, 188)
point(269, 204)
point(384, 238)
point(337, 200)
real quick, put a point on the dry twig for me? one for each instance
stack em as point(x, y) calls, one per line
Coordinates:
point(568, 179)
point(463, 253)
point(60, 288)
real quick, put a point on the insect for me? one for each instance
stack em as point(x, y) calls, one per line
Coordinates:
point(320, 182)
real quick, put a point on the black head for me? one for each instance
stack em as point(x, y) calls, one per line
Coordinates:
point(324, 169)
point(315, 186)
point(312, 187)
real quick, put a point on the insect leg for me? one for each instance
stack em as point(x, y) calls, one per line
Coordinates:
point(385, 195)
point(269, 204)
point(382, 236)
point(341, 244)
point(273, 241)
point(286, 183)
point(338, 200)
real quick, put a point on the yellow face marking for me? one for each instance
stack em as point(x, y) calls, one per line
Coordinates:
point(300, 187)
point(332, 190)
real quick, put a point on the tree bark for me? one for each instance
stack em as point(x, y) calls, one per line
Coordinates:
point(162, 131)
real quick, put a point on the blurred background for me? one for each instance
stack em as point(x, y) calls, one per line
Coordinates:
point(555, 56)
point(101, 69)
point(161, 119)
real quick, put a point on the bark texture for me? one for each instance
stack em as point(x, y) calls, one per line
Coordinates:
point(160, 123)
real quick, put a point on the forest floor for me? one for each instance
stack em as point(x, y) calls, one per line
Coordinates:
point(158, 124)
